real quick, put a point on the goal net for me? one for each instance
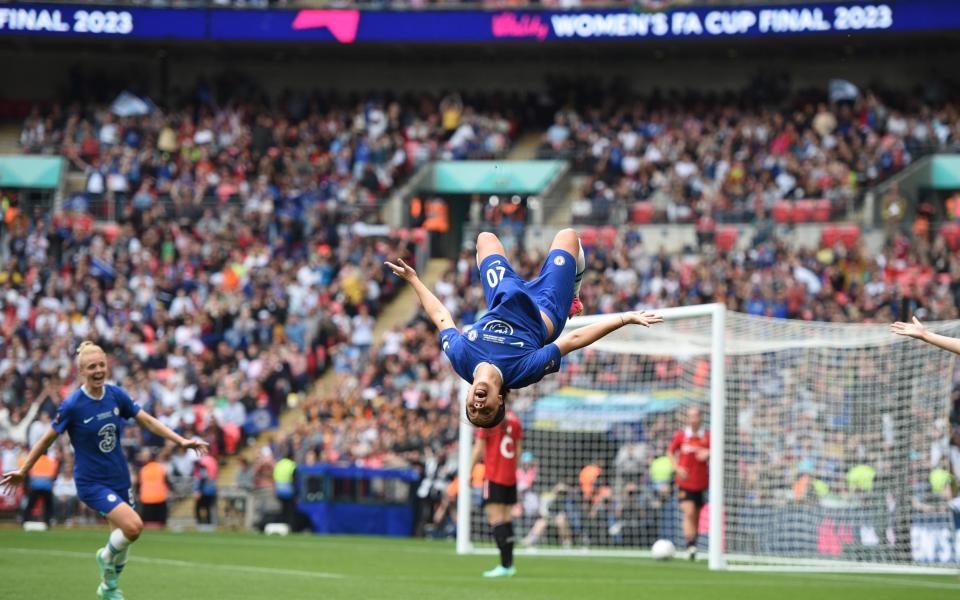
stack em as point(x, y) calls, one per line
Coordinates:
point(829, 445)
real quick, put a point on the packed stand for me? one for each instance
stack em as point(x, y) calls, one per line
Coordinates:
point(214, 321)
point(344, 152)
point(682, 158)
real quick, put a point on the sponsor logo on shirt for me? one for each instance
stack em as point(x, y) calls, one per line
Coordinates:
point(85, 421)
point(499, 327)
point(108, 438)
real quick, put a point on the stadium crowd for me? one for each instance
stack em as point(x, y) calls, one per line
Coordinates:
point(346, 151)
point(732, 158)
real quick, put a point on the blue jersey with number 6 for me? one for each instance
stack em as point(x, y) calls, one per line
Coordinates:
point(512, 335)
point(95, 428)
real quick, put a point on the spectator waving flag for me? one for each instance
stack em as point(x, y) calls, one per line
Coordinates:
point(841, 90)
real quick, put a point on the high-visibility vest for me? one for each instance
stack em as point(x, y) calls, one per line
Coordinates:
point(283, 477)
point(153, 483)
point(437, 219)
point(43, 473)
point(44, 467)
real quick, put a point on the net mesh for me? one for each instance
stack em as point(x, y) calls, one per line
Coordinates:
point(832, 435)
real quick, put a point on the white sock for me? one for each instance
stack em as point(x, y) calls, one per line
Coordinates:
point(581, 267)
point(116, 545)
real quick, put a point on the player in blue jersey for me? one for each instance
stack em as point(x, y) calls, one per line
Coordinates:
point(517, 341)
point(94, 416)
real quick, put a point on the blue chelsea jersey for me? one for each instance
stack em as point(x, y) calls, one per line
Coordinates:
point(510, 336)
point(95, 428)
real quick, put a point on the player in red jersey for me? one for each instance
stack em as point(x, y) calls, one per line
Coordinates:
point(500, 447)
point(690, 452)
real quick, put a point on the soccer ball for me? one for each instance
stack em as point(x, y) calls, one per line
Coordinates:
point(663, 550)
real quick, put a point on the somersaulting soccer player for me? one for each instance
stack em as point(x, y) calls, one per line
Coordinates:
point(516, 342)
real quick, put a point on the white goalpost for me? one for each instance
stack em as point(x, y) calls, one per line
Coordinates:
point(825, 440)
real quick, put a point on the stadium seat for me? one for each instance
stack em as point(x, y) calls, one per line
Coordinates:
point(950, 232)
point(849, 235)
point(608, 236)
point(641, 213)
point(782, 212)
point(726, 238)
point(822, 211)
point(588, 237)
point(803, 211)
point(829, 236)
point(846, 234)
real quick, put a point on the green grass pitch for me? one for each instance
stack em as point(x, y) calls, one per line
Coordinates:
point(59, 564)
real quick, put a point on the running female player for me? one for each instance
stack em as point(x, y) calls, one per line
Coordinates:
point(94, 416)
point(516, 342)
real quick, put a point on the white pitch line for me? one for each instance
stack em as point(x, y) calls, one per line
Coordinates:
point(185, 564)
point(768, 580)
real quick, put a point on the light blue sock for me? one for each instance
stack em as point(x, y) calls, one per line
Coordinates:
point(121, 560)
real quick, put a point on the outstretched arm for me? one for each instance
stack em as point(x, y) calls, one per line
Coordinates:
point(13, 479)
point(435, 309)
point(580, 338)
point(917, 330)
point(151, 424)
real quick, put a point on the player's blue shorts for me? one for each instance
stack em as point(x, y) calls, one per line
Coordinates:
point(552, 290)
point(102, 498)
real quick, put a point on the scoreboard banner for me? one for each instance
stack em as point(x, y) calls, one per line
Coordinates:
point(345, 26)
point(75, 20)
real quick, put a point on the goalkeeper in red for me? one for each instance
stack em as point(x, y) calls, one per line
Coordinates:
point(689, 452)
point(517, 342)
point(500, 448)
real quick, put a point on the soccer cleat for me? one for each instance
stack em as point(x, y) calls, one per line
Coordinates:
point(576, 307)
point(108, 571)
point(105, 593)
point(501, 571)
point(692, 552)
